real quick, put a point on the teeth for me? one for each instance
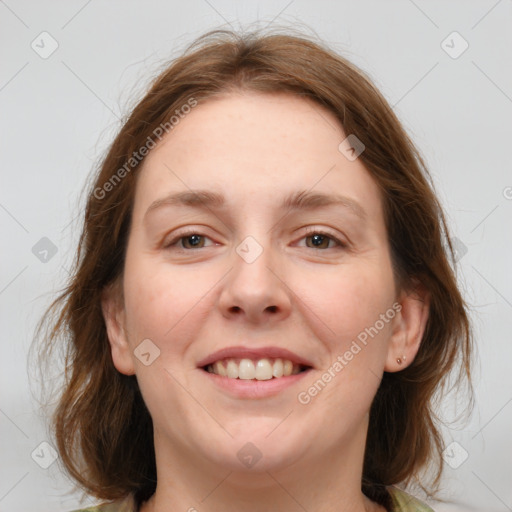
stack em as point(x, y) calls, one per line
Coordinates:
point(231, 369)
point(219, 369)
point(263, 370)
point(247, 369)
point(277, 369)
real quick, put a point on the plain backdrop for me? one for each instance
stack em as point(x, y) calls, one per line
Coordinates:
point(443, 65)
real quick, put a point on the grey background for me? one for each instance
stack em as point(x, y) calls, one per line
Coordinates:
point(59, 114)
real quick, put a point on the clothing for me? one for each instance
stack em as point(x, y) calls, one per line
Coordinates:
point(402, 502)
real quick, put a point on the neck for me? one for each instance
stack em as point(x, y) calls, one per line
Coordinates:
point(329, 482)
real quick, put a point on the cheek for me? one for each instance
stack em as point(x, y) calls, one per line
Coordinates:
point(167, 305)
point(348, 302)
point(357, 307)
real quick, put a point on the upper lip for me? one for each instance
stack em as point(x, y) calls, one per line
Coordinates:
point(255, 354)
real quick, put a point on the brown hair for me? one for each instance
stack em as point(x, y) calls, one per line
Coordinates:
point(102, 428)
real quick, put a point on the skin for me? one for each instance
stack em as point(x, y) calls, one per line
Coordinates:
point(255, 149)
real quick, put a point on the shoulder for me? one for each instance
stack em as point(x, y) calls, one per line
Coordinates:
point(404, 502)
point(123, 505)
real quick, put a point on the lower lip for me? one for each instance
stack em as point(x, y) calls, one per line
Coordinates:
point(242, 388)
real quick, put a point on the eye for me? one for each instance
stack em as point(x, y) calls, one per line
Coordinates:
point(187, 241)
point(319, 239)
point(315, 239)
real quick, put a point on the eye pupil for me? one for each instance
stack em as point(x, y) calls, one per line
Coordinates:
point(318, 240)
point(193, 240)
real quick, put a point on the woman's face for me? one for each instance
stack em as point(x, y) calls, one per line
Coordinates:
point(291, 256)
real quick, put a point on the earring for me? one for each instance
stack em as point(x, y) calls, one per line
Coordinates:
point(399, 360)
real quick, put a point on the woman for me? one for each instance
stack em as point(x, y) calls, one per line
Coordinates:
point(263, 306)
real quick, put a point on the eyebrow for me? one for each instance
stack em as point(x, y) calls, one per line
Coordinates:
point(300, 200)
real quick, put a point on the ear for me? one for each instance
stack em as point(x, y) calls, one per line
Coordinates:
point(115, 320)
point(408, 327)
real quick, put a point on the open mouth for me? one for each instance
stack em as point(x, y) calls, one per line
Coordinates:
point(255, 369)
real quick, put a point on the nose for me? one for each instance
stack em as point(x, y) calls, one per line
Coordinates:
point(254, 290)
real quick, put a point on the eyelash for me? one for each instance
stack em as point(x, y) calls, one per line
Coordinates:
point(309, 232)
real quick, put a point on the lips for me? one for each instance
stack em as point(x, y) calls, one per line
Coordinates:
point(240, 352)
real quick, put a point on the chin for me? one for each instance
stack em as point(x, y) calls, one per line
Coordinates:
point(256, 452)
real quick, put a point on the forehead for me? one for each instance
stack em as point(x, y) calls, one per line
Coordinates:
point(255, 148)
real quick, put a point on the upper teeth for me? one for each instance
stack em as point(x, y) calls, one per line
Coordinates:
point(260, 369)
